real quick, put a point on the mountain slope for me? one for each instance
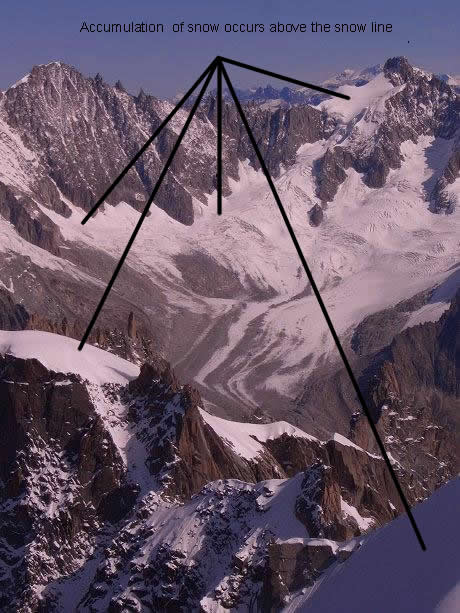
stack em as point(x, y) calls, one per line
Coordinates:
point(391, 573)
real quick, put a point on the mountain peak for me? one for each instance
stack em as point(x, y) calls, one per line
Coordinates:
point(399, 66)
point(55, 63)
point(52, 66)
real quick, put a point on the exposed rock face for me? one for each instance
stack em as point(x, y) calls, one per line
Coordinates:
point(29, 221)
point(64, 116)
point(379, 329)
point(207, 277)
point(294, 565)
point(330, 172)
point(425, 357)
point(414, 395)
point(184, 452)
point(347, 478)
point(441, 200)
point(278, 133)
point(58, 466)
point(398, 70)
point(316, 215)
point(12, 316)
point(132, 327)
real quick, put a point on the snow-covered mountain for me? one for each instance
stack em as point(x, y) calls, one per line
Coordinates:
point(370, 186)
point(121, 488)
point(272, 97)
point(120, 491)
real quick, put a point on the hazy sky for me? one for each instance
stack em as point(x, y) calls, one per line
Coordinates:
point(34, 32)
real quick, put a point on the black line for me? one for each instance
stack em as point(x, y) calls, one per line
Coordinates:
point(145, 146)
point(219, 138)
point(269, 73)
point(146, 208)
point(324, 311)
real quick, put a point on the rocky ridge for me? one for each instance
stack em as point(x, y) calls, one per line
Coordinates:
point(99, 474)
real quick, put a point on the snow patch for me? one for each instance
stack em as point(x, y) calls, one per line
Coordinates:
point(364, 523)
point(342, 440)
point(60, 354)
point(245, 439)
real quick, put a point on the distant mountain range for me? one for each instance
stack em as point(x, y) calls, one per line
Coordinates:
point(289, 95)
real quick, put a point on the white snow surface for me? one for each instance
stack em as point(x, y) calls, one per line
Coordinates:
point(60, 354)
point(244, 438)
point(360, 98)
point(390, 572)
point(343, 440)
point(339, 438)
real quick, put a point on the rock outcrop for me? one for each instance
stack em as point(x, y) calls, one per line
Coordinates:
point(62, 477)
point(29, 222)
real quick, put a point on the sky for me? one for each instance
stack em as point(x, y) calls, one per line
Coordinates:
point(31, 32)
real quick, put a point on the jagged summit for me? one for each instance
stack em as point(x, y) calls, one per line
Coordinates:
point(399, 65)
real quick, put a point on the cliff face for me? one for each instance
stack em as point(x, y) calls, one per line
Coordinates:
point(12, 316)
point(424, 357)
point(183, 452)
point(30, 223)
point(415, 398)
point(62, 477)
